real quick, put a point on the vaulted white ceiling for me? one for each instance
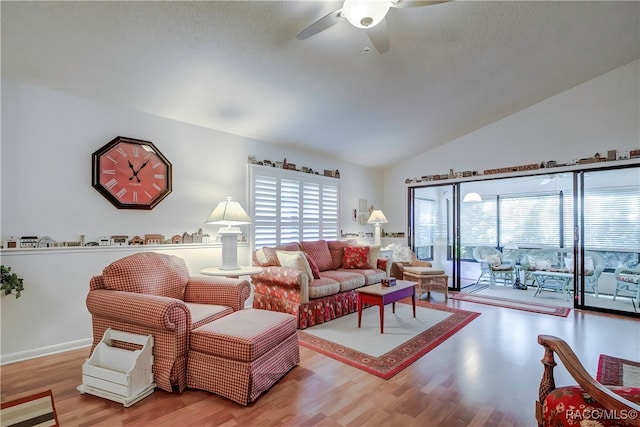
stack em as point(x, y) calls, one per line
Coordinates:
point(236, 66)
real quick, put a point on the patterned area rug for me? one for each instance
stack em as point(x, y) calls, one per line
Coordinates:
point(618, 372)
point(341, 339)
point(509, 303)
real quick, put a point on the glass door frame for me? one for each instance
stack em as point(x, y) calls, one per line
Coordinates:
point(577, 246)
point(580, 219)
point(451, 230)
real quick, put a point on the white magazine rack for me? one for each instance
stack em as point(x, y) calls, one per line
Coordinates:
point(117, 374)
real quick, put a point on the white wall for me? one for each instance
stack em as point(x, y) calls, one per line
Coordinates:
point(599, 115)
point(48, 138)
point(47, 141)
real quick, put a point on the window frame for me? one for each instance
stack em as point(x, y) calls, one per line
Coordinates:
point(314, 216)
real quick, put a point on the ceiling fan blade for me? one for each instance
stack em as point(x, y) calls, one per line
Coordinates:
point(379, 36)
point(402, 4)
point(321, 24)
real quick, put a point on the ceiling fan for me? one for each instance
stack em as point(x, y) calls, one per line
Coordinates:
point(368, 15)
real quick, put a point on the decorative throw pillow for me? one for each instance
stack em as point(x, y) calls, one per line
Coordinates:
point(494, 260)
point(356, 257)
point(314, 267)
point(319, 251)
point(568, 264)
point(538, 262)
point(543, 264)
point(293, 246)
point(296, 260)
point(401, 253)
point(588, 264)
point(374, 253)
point(336, 249)
point(267, 257)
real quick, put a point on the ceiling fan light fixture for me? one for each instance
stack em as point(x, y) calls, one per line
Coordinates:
point(365, 14)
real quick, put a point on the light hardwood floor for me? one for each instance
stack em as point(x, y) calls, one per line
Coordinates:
point(487, 374)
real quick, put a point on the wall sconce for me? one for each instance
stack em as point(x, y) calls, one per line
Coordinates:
point(377, 218)
point(230, 215)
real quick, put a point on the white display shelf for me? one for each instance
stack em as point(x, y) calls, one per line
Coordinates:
point(130, 248)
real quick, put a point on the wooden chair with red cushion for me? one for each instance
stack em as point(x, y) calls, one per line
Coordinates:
point(586, 403)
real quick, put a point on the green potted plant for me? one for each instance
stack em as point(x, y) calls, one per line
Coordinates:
point(11, 282)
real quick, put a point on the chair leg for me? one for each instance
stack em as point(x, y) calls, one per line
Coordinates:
point(482, 274)
point(615, 292)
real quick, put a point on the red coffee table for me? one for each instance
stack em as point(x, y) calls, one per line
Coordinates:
point(382, 295)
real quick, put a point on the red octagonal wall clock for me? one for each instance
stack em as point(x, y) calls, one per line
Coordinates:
point(131, 173)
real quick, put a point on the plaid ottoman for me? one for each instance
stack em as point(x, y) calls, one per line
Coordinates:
point(241, 355)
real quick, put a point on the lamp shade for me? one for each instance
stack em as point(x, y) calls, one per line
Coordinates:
point(377, 217)
point(365, 14)
point(228, 213)
point(472, 197)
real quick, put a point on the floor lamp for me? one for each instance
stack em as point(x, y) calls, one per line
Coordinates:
point(229, 214)
point(377, 218)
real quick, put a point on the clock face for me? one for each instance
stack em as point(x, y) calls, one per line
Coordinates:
point(131, 173)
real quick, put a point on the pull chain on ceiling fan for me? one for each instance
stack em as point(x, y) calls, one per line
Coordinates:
point(367, 15)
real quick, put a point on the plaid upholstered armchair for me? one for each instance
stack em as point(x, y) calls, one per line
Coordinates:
point(154, 294)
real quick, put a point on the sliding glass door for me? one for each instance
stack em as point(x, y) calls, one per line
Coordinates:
point(608, 213)
point(573, 236)
point(431, 227)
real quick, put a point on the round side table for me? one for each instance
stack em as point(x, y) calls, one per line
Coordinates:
point(242, 271)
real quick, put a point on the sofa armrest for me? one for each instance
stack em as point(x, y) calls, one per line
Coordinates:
point(149, 311)
point(385, 265)
point(218, 291)
point(397, 268)
point(294, 282)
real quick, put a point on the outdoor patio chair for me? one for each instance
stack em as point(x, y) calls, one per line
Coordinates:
point(628, 280)
point(492, 266)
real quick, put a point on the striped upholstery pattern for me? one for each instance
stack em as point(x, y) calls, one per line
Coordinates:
point(348, 279)
point(241, 355)
point(168, 320)
point(35, 410)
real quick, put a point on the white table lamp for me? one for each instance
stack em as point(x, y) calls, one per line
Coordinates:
point(377, 218)
point(229, 214)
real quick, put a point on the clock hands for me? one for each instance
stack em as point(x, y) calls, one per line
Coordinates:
point(134, 171)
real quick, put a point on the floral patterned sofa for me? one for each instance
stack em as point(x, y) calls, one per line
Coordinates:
point(315, 280)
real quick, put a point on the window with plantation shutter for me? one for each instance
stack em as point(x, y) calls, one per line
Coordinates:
point(289, 206)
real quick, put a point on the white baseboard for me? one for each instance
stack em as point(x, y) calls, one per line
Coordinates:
point(44, 351)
